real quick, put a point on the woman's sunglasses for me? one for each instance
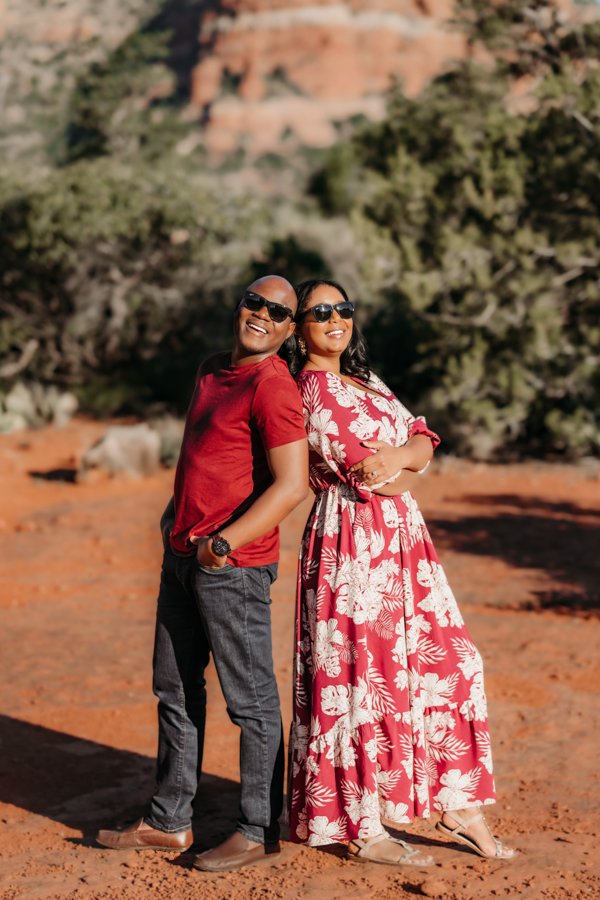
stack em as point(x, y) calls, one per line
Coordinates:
point(324, 311)
point(277, 312)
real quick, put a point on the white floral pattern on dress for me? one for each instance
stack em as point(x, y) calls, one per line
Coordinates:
point(389, 705)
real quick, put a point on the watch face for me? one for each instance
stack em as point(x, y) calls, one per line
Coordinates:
point(220, 547)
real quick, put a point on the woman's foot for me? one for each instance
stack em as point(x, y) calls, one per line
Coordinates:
point(389, 851)
point(476, 832)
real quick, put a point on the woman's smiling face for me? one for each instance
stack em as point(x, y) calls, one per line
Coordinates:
point(325, 338)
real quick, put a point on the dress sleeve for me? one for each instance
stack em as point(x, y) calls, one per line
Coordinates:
point(419, 426)
point(330, 419)
point(416, 426)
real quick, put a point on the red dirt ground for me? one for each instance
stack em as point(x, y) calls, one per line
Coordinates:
point(79, 573)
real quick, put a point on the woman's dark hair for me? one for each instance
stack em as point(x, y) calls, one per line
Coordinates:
point(354, 361)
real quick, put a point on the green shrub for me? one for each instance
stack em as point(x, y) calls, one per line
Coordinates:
point(123, 106)
point(126, 275)
point(492, 324)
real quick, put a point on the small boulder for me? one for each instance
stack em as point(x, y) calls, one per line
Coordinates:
point(124, 448)
point(434, 889)
point(170, 431)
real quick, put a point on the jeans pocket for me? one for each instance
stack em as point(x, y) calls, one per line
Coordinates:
point(216, 570)
point(266, 578)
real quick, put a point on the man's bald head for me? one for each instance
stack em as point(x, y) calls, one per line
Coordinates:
point(276, 289)
point(257, 335)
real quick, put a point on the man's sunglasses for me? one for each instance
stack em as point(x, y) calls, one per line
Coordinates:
point(277, 312)
point(324, 311)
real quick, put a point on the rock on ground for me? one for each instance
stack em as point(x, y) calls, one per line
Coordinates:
point(124, 448)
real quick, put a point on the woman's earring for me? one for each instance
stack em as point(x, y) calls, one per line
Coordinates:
point(302, 346)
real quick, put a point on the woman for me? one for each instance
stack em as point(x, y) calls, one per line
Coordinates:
point(389, 709)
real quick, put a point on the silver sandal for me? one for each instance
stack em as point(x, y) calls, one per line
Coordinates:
point(362, 856)
point(463, 825)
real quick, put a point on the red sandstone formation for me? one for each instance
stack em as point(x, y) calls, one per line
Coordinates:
point(272, 74)
point(299, 65)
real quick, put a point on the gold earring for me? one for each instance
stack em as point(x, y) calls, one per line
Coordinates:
point(302, 346)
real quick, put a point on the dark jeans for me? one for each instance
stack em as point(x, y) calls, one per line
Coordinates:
point(226, 612)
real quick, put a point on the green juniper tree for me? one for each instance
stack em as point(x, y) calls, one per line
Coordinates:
point(122, 264)
point(492, 325)
point(116, 107)
point(117, 278)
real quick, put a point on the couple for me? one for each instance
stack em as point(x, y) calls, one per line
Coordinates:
point(389, 708)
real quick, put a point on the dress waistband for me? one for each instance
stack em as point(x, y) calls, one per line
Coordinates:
point(331, 488)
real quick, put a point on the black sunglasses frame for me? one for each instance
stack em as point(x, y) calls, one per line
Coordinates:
point(329, 308)
point(271, 307)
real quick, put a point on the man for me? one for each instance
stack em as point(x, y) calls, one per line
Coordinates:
point(243, 467)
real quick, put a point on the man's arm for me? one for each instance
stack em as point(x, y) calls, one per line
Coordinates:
point(289, 468)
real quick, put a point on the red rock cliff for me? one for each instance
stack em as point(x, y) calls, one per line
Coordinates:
point(294, 67)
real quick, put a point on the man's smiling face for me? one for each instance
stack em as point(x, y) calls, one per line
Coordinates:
point(255, 332)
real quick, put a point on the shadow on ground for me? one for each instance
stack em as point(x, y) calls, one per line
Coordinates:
point(89, 786)
point(69, 476)
point(537, 503)
point(560, 538)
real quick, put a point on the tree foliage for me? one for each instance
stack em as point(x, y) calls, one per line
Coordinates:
point(122, 265)
point(467, 222)
point(121, 277)
point(493, 323)
point(116, 105)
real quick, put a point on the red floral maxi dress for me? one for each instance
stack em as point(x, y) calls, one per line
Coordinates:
point(390, 713)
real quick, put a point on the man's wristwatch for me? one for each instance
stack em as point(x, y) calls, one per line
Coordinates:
point(220, 547)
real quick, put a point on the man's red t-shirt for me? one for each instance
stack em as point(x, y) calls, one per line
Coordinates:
point(236, 414)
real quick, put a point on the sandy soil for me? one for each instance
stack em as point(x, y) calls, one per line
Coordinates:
point(79, 572)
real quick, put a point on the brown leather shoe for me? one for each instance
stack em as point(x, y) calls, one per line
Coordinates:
point(140, 836)
point(236, 852)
